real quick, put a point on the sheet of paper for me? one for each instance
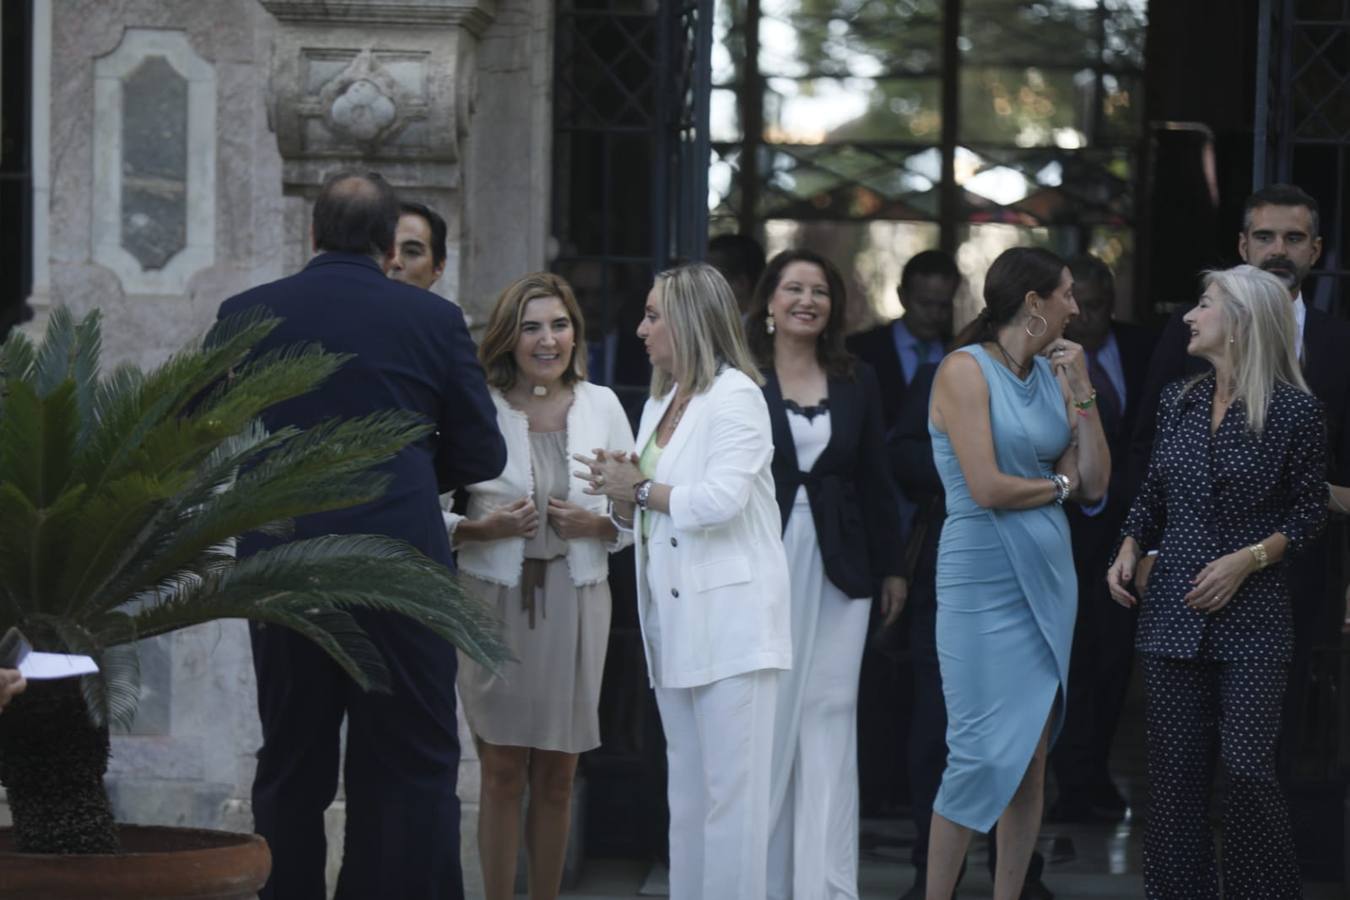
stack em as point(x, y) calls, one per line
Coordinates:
point(46, 666)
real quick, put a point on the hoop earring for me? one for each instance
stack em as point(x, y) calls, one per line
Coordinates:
point(769, 325)
point(1045, 326)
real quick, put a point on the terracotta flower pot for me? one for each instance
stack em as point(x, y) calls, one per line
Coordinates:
point(158, 864)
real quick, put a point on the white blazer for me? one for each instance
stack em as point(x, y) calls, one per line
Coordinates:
point(712, 587)
point(595, 420)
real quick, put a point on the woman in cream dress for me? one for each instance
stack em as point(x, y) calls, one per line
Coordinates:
point(536, 547)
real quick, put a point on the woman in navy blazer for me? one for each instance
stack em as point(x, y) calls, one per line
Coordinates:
point(841, 529)
point(1235, 487)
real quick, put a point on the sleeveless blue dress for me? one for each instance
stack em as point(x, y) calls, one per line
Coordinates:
point(1007, 597)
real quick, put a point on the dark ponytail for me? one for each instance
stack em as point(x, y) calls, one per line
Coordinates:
point(1015, 273)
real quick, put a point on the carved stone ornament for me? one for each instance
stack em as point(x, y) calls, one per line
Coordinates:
point(373, 83)
point(366, 104)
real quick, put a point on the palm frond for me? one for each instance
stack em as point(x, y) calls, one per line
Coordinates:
point(37, 440)
point(337, 572)
point(119, 496)
point(113, 694)
point(17, 355)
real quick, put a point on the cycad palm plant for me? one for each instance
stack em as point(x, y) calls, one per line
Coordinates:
point(119, 499)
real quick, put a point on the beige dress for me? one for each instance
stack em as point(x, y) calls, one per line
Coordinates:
point(558, 633)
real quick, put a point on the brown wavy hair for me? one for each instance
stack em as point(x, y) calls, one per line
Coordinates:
point(497, 352)
point(833, 356)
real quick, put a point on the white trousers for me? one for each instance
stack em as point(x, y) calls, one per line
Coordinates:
point(719, 739)
point(813, 844)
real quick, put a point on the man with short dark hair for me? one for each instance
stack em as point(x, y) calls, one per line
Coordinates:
point(897, 349)
point(411, 351)
point(741, 260)
point(419, 246)
point(1103, 638)
point(1280, 233)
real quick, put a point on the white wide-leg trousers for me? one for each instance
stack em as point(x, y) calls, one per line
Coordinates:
point(719, 740)
point(813, 843)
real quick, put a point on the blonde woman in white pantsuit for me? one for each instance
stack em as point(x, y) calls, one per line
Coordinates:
point(712, 579)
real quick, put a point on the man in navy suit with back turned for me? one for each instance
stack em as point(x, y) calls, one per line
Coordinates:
point(411, 351)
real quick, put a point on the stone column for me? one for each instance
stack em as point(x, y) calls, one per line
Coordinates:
point(381, 85)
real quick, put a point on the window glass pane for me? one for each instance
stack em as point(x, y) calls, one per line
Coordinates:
point(1122, 108)
point(1044, 186)
point(1115, 247)
point(724, 187)
point(850, 37)
point(849, 181)
point(1066, 33)
point(724, 116)
point(869, 254)
point(810, 111)
point(1026, 107)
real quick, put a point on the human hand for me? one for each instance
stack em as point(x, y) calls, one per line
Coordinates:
point(894, 593)
point(12, 683)
point(1068, 361)
point(611, 473)
point(571, 522)
point(520, 519)
point(1122, 572)
point(1219, 581)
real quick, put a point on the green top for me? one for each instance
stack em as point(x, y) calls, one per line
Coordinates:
point(647, 466)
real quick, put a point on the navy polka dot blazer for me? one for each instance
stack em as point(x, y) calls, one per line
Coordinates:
point(1208, 495)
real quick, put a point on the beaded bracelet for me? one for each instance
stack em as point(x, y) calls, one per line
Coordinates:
point(1085, 405)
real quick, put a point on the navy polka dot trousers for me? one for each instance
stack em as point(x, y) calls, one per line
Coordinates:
point(1195, 708)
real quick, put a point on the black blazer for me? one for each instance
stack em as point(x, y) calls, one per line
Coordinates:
point(411, 351)
point(911, 454)
point(876, 347)
point(853, 500)
point(1206, 496)
point(1135, 344)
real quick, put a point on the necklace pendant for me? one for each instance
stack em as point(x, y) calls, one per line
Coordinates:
point(539, 390)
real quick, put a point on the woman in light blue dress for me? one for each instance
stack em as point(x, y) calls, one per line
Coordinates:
point(1015, 434)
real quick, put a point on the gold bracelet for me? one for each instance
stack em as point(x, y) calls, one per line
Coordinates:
point(1258, 552)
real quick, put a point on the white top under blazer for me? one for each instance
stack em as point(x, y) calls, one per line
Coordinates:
point(595, 420)
point(714, 574)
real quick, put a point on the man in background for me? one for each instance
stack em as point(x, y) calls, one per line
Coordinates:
point(1103, 641)
point(896, 350)
point(419, 246)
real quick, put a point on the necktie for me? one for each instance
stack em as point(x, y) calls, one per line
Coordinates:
point(1108, 398)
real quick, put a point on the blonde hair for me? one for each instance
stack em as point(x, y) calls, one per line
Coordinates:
point(497, 352)
point(705, 329)
point(1259, 333)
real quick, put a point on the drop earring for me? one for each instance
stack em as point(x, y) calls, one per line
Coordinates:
point(769, 326)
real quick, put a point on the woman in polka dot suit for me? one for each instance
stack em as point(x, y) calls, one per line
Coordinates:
point(1235, 486)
